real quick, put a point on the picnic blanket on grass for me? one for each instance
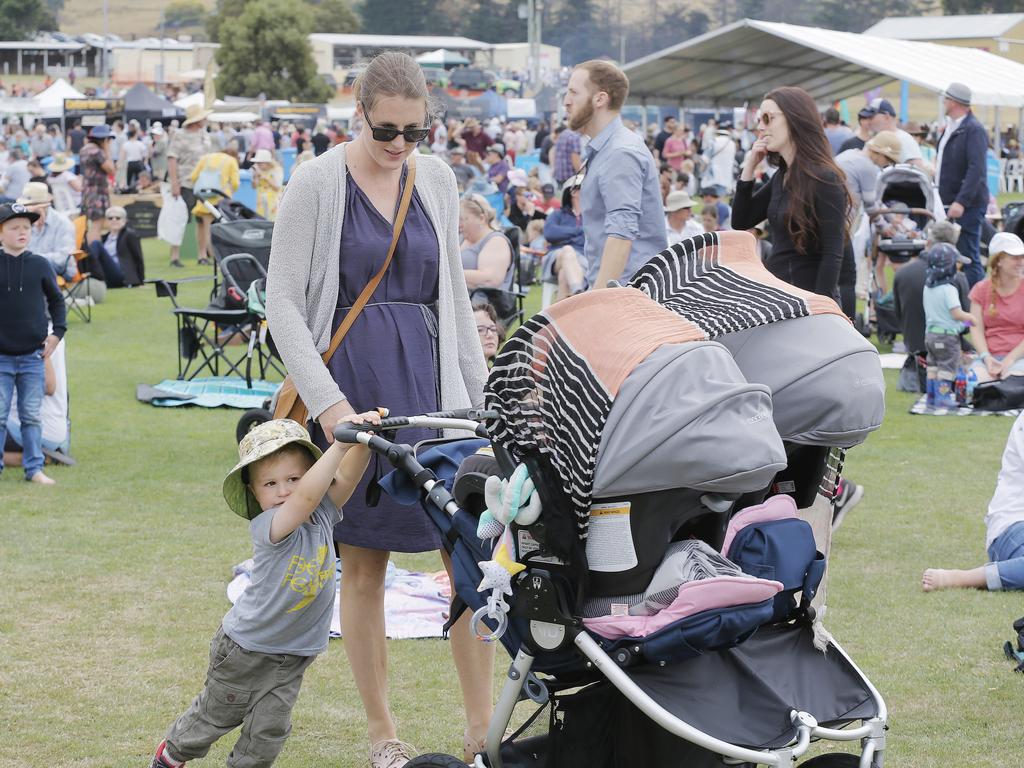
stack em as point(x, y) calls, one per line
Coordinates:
point(415, 604)
point(921, 408)
point(210, 392)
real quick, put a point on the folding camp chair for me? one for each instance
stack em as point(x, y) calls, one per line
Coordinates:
point(507, 304)
point(201, 344)
point(77, 291)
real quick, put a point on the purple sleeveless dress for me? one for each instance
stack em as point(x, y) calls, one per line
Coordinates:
point(389, 356)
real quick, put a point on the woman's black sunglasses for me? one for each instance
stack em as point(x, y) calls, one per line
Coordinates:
point(412, 135)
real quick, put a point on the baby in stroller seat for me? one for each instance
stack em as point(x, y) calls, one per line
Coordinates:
point(897, 225)
point(620, 518)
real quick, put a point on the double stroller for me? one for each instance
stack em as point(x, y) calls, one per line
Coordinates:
point(625, 520)
point(906, 202)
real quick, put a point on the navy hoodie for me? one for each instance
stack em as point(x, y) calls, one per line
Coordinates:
point(27, 287)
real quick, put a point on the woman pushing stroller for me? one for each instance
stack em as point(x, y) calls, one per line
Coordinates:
point(414, 346)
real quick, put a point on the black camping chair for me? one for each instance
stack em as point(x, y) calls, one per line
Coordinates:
point(507, 304)
point(205, 336)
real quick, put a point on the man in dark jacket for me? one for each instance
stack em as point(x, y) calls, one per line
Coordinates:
point(116, 259)
point(961, 174)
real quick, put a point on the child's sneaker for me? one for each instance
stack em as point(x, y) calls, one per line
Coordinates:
point(848, 495)
point(162, 760)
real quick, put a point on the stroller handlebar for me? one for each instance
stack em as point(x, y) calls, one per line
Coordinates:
point(468, 419)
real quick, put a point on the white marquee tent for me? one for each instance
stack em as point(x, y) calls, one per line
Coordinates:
point(50, 103)
point(742, 61)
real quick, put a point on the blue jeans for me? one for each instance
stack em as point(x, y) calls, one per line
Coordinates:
point(24, 372)
point(969, 243)
point(1006, 571)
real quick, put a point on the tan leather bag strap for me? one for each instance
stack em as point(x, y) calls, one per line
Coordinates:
point(350, 318)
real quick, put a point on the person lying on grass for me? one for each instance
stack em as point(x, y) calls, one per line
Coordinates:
point(1004, 536)
point(292, 496)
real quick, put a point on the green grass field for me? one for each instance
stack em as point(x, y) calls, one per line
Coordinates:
point(115, 580)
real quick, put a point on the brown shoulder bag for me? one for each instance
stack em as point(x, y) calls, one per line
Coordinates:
point(289, 404)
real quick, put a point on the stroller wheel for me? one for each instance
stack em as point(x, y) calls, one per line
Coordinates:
point(834, 760)
point(251, 418)
point(435, 760)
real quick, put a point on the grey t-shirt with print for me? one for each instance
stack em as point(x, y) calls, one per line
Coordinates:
point(288, 605)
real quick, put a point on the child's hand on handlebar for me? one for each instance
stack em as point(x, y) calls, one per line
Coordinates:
point(367, 417)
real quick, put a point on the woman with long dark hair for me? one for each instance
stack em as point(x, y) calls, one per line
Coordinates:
point(806, 201)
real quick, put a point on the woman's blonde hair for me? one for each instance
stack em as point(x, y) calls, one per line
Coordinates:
point(995, 268)
point(479, 204)
point(392, 74)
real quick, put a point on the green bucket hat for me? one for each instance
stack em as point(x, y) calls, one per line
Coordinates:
point(265, 439)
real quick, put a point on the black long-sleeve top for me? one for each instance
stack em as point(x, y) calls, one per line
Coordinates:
point(816, 267)
point(27, 287)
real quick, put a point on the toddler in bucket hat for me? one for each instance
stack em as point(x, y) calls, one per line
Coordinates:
point(291, 493)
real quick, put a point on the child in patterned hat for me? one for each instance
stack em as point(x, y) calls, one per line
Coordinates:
point(292, 496)
point(944, 321)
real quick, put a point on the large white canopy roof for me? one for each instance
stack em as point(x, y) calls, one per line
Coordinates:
point(741, 62)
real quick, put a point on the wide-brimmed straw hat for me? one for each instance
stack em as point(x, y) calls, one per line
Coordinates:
point(35, 193)
point(262, 441)
point(61, 162)
point(262, 156)
point(195, 113)
point(887, 144)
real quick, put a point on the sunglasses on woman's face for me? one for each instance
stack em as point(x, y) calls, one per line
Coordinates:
point(115, 218)
point(767, 117)
point(412, 135)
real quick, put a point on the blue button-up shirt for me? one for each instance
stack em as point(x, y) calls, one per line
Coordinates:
point(621, 197)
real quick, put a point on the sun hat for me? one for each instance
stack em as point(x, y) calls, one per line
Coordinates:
point(959, 93)
point(887, 144)
point(883, 107)
point(263, 156)
point(677, 200)
point(10, 211)
point(1005, 242)
point(517, 177)
point(101, 131)
point(35, 193)
point(61, 162)
point(942, 260)
point(156, 129)
point(265, 439)
point(916, 129)
point(194, 114)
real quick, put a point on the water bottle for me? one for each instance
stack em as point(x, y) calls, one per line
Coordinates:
point(972, 381)
point(960, 386)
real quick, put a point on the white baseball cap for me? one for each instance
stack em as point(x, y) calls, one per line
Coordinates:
point(1006, 242)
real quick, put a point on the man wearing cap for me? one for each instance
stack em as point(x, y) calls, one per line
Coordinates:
point(548, 202)
point(961, 174)
point(679, 221)
point(53, 234)
point(497, 167)
point(862, 167)
point(860, 138)
point(885, 120)
point(464, 172)
point(187, 147)
point(620, 195)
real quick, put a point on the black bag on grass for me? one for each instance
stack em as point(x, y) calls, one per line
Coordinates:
point(1002, 395)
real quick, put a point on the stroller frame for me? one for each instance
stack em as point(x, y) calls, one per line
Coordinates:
point(552, 628)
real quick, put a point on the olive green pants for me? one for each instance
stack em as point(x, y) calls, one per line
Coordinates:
point(254, 690)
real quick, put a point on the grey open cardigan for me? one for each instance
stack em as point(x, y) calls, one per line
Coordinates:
point(302, 285)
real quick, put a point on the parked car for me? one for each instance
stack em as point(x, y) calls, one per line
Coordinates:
point(470, 79)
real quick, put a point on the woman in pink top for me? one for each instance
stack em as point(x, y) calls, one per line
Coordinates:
point(997, 307)
point(677, 148)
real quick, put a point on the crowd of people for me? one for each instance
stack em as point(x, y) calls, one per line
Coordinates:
point(409, 231)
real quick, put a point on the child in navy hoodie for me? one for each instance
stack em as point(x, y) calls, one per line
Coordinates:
point(27, 287)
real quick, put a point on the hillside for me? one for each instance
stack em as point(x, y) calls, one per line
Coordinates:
point(127, 18)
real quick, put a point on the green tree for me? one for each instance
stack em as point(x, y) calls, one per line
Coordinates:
point(184, 13)
point(492, 22)
point(334, 16)
point(266, 50)
point(224, 10)
point(956, 7)
point(415, 17)
point(21, 19)
point(576, 28)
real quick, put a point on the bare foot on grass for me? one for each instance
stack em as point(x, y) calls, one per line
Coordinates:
point(941, 578)
point(42, 479)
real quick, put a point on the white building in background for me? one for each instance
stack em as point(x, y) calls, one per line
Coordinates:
point(335, 54)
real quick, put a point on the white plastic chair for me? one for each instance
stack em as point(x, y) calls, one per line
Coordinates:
point(1015, 176)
